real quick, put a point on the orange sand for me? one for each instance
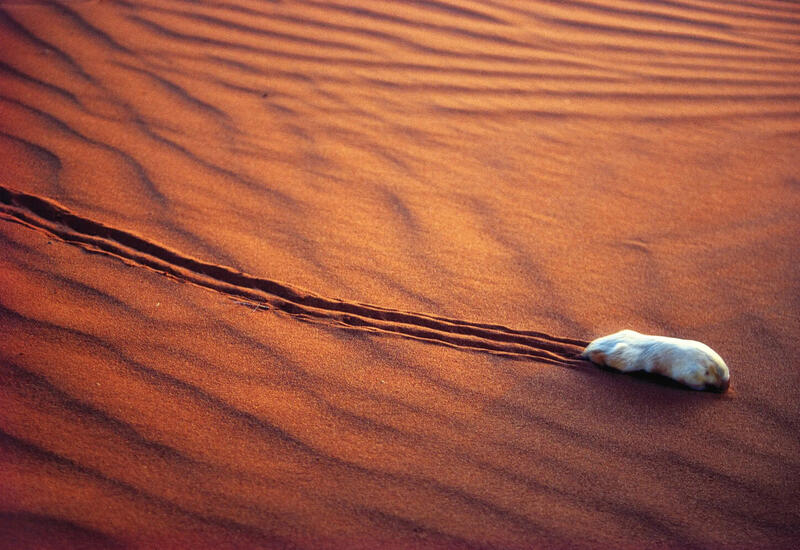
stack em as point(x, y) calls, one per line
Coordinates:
point(315, 274)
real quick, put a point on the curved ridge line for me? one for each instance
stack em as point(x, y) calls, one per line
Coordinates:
point(47, 215)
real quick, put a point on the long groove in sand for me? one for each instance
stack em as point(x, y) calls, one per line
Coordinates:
point(45, 215)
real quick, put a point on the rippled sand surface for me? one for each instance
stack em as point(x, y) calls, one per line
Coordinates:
point(316, 274)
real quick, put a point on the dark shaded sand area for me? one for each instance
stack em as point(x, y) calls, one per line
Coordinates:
point(313, 274)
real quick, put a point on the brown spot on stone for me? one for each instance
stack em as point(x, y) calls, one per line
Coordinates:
point(598, 357)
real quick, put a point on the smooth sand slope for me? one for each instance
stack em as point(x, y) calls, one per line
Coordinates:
point(317, 274)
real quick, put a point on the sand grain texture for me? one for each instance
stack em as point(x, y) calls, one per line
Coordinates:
point(316, 274)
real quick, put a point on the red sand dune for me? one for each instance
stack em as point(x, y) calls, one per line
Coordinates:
point(316, 274)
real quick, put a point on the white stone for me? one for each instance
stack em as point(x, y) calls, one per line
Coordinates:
point(685, 361)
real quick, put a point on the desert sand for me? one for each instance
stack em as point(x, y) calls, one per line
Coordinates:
point(317, 274)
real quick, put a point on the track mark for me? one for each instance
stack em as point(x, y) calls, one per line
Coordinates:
point(45, 215)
